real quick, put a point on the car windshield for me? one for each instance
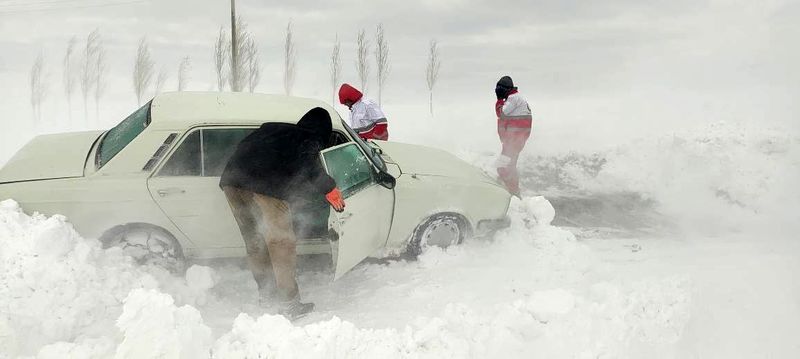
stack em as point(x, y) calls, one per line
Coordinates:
point(374, 156)
point(121, 135)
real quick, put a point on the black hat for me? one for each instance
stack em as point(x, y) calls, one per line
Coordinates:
point(318, 121)
point(505, 82)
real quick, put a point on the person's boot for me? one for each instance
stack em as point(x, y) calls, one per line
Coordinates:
point(294, 309)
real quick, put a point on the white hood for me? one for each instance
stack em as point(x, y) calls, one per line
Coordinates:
point(50, 156)
point(422, 160)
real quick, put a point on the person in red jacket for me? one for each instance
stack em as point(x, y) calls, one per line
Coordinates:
point(366, 117)
point(514, 127)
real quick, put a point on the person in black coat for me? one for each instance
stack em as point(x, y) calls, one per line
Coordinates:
point(276, 174)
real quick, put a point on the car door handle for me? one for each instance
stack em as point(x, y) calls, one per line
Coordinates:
point(168, 191)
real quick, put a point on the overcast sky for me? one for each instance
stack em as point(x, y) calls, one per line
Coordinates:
point(604, 65)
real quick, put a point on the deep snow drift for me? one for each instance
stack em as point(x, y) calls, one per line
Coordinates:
point(694, 255)
point(86, 301)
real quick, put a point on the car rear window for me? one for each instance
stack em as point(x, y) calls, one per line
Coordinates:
point(122, 134)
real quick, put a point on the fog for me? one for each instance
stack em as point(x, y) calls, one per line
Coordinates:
point(594, 74)
point(659, 210)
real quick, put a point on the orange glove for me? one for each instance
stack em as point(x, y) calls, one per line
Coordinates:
point(334, 197)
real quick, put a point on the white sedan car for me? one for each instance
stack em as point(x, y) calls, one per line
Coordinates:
point(151, 183)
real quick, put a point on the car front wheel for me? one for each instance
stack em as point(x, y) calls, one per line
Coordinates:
point(442, 230)
point(147, 244)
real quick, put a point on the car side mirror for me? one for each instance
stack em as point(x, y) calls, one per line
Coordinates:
point(386, 180)
point(375, 148)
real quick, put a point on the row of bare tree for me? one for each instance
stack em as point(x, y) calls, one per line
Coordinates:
point(362, 61)
point(248, 69)
point(382, 63)
point(86, 68)
point(143, 72)
point(246, 72)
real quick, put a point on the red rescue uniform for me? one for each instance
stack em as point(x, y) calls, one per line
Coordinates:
point(514, 122)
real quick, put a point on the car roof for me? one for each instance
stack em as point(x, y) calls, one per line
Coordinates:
point(183, 110)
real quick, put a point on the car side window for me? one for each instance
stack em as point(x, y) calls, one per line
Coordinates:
point(218, 146)
point(204, 152)
point(348, 166)
point(185, 161)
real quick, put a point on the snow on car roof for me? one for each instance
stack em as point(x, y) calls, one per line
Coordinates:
point(181, 110)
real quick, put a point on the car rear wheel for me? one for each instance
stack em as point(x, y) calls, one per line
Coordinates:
point(147, 244)
point(442, 230)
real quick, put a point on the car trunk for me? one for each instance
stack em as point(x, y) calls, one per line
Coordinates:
point(50, 156)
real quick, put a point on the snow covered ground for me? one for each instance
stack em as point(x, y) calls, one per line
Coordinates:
point(681, 246)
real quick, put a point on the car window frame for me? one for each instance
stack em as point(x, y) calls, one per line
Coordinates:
point(373, 173)
point(375, 158)
point(185, 134)
point(177, 144)
point(98, 145)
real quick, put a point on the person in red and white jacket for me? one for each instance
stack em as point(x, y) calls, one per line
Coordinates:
point(366, 117)
point(514, 121)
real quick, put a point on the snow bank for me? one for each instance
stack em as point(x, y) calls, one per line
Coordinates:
point(551, 324)
point(610, 320)
point(56, 284)
point(61, 293)
point(714, 178)
point(83, 301)
point(721, 175)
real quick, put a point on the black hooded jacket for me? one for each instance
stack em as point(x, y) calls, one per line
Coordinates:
point(281, 160)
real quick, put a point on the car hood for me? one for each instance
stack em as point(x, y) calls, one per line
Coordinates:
point(60, 155)
point(423, 160)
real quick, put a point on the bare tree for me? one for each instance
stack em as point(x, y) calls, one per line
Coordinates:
point(253, 63)
point(336, 67)
point(221, 59)
point(362, 64)
point(183, 73)
point(38, 87)
point(88, 68)
point(289, 60)
point(68, 75)
point(99, 77)
point(142, 71)
point(432, 72)
point(381, 59)
point(161, 79)
point(239, 71)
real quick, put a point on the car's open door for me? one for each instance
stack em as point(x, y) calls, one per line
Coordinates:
point(364, 225)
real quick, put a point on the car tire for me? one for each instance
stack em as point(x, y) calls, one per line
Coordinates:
point(441, 230)
point(147, 244)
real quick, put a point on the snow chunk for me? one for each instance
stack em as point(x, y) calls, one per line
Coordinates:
point(155, 328)
point(532, 211)
point(541, 210)
point(201, 278)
